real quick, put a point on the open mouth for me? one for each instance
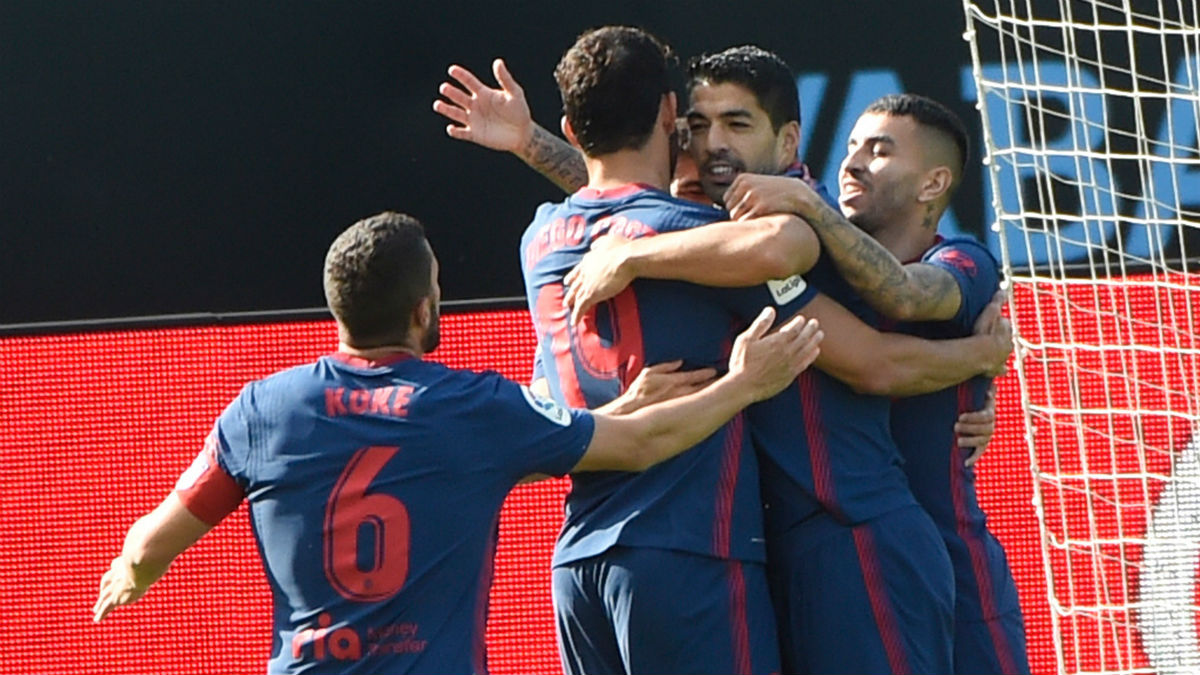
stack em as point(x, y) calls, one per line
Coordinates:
point(851, 189)
point(721, 172)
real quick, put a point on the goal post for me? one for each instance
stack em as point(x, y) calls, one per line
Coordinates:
point(1091, 120)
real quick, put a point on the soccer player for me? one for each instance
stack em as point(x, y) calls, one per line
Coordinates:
point(375, 478)
point(586, 357)
point(905, 158)
point(846, 506)
point(659, 572)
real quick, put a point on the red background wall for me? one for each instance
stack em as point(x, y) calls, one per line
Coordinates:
point(94, 429)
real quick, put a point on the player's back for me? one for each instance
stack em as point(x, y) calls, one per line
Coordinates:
point(374, 493)
point(705, 501)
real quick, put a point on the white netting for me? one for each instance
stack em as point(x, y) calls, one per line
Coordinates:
point(1091, 115)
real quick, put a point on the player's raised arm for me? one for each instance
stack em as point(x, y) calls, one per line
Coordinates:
point(728, 254)
point(912, 292)
point(499, 118)
point(891, 364)
point(760, 366)
point(151, 544)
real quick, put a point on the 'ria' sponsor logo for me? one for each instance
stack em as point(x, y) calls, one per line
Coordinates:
point(348, 644)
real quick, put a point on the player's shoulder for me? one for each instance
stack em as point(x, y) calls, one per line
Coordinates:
point(665, 213)
point(646, 203)
point(288, 380)
point(964, 253)
point(545, 212)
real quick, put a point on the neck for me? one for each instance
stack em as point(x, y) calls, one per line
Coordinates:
point(910, 240)
point(377, 353)
point(649, 165)
point(410, 345)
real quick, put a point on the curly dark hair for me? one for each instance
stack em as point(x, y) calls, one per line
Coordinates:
point(612, 81)
point(375, 274)
point(762, 72)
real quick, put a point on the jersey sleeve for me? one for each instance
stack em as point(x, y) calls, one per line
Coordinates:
point(205, 488)
point(975, 271)
point(535, 434)
point(539, 368)
point(788, 297)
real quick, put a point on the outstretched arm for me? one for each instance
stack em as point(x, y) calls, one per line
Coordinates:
point(500, 119)
point(731, 254)
point(152, 543)
point(913, 292)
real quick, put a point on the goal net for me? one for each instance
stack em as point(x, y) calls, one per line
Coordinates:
point(1090, 116)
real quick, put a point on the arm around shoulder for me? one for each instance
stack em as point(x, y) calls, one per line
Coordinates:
point(761, 365)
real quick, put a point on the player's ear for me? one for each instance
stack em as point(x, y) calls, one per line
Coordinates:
point(667, 112)
point(423, 313)
point(569, 132)
point(936, 184)
point(787, 143)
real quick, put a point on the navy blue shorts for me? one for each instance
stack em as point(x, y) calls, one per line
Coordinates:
point(647, 611)
point(877, 597)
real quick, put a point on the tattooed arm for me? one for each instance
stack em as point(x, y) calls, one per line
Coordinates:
point(555, 159)
point(500, 119)
point(913, 292)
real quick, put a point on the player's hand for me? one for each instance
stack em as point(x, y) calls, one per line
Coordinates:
point(974, 429)
point(118, 587)
point(600, 275)
point(998, 330)
point(494, 118)
point(771, 361)
point(660, 382)
point(753, 195)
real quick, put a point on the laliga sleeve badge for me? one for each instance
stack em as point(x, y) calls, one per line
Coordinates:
point(787, 290)
point(547, 408)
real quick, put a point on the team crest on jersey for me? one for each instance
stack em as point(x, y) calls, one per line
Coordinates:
point(957, 260)
point(787, 290)
point(547, 408)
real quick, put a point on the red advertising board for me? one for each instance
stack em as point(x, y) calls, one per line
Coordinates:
point(97, 426)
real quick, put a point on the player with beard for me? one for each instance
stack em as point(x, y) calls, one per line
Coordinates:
point(375, 478)
point(905, 157)
point(732, 130)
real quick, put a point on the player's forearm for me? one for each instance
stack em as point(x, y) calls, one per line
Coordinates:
point(555, 159)
point(666, 429)
point(728, 254)
point(902, 292)
point(157, 538)
point(912, 366)
point(147, 558)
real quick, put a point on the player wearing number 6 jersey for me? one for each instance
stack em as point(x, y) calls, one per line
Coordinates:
point(375, 478)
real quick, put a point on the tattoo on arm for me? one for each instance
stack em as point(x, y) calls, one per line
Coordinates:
point(911, 292)
point(555, 159)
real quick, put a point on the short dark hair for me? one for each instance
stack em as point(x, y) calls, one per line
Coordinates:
point(375, 274)
point(612, 81)
point(931, 114)
point(766, 75)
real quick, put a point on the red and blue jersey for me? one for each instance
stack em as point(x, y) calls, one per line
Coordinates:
point(706, 501)
point(375, 490)
point(824, 446)
point(923, 427)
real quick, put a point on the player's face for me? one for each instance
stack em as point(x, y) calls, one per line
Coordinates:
point(433, 337)
point(731, 134)
point(882, 172)
point(686, 182)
